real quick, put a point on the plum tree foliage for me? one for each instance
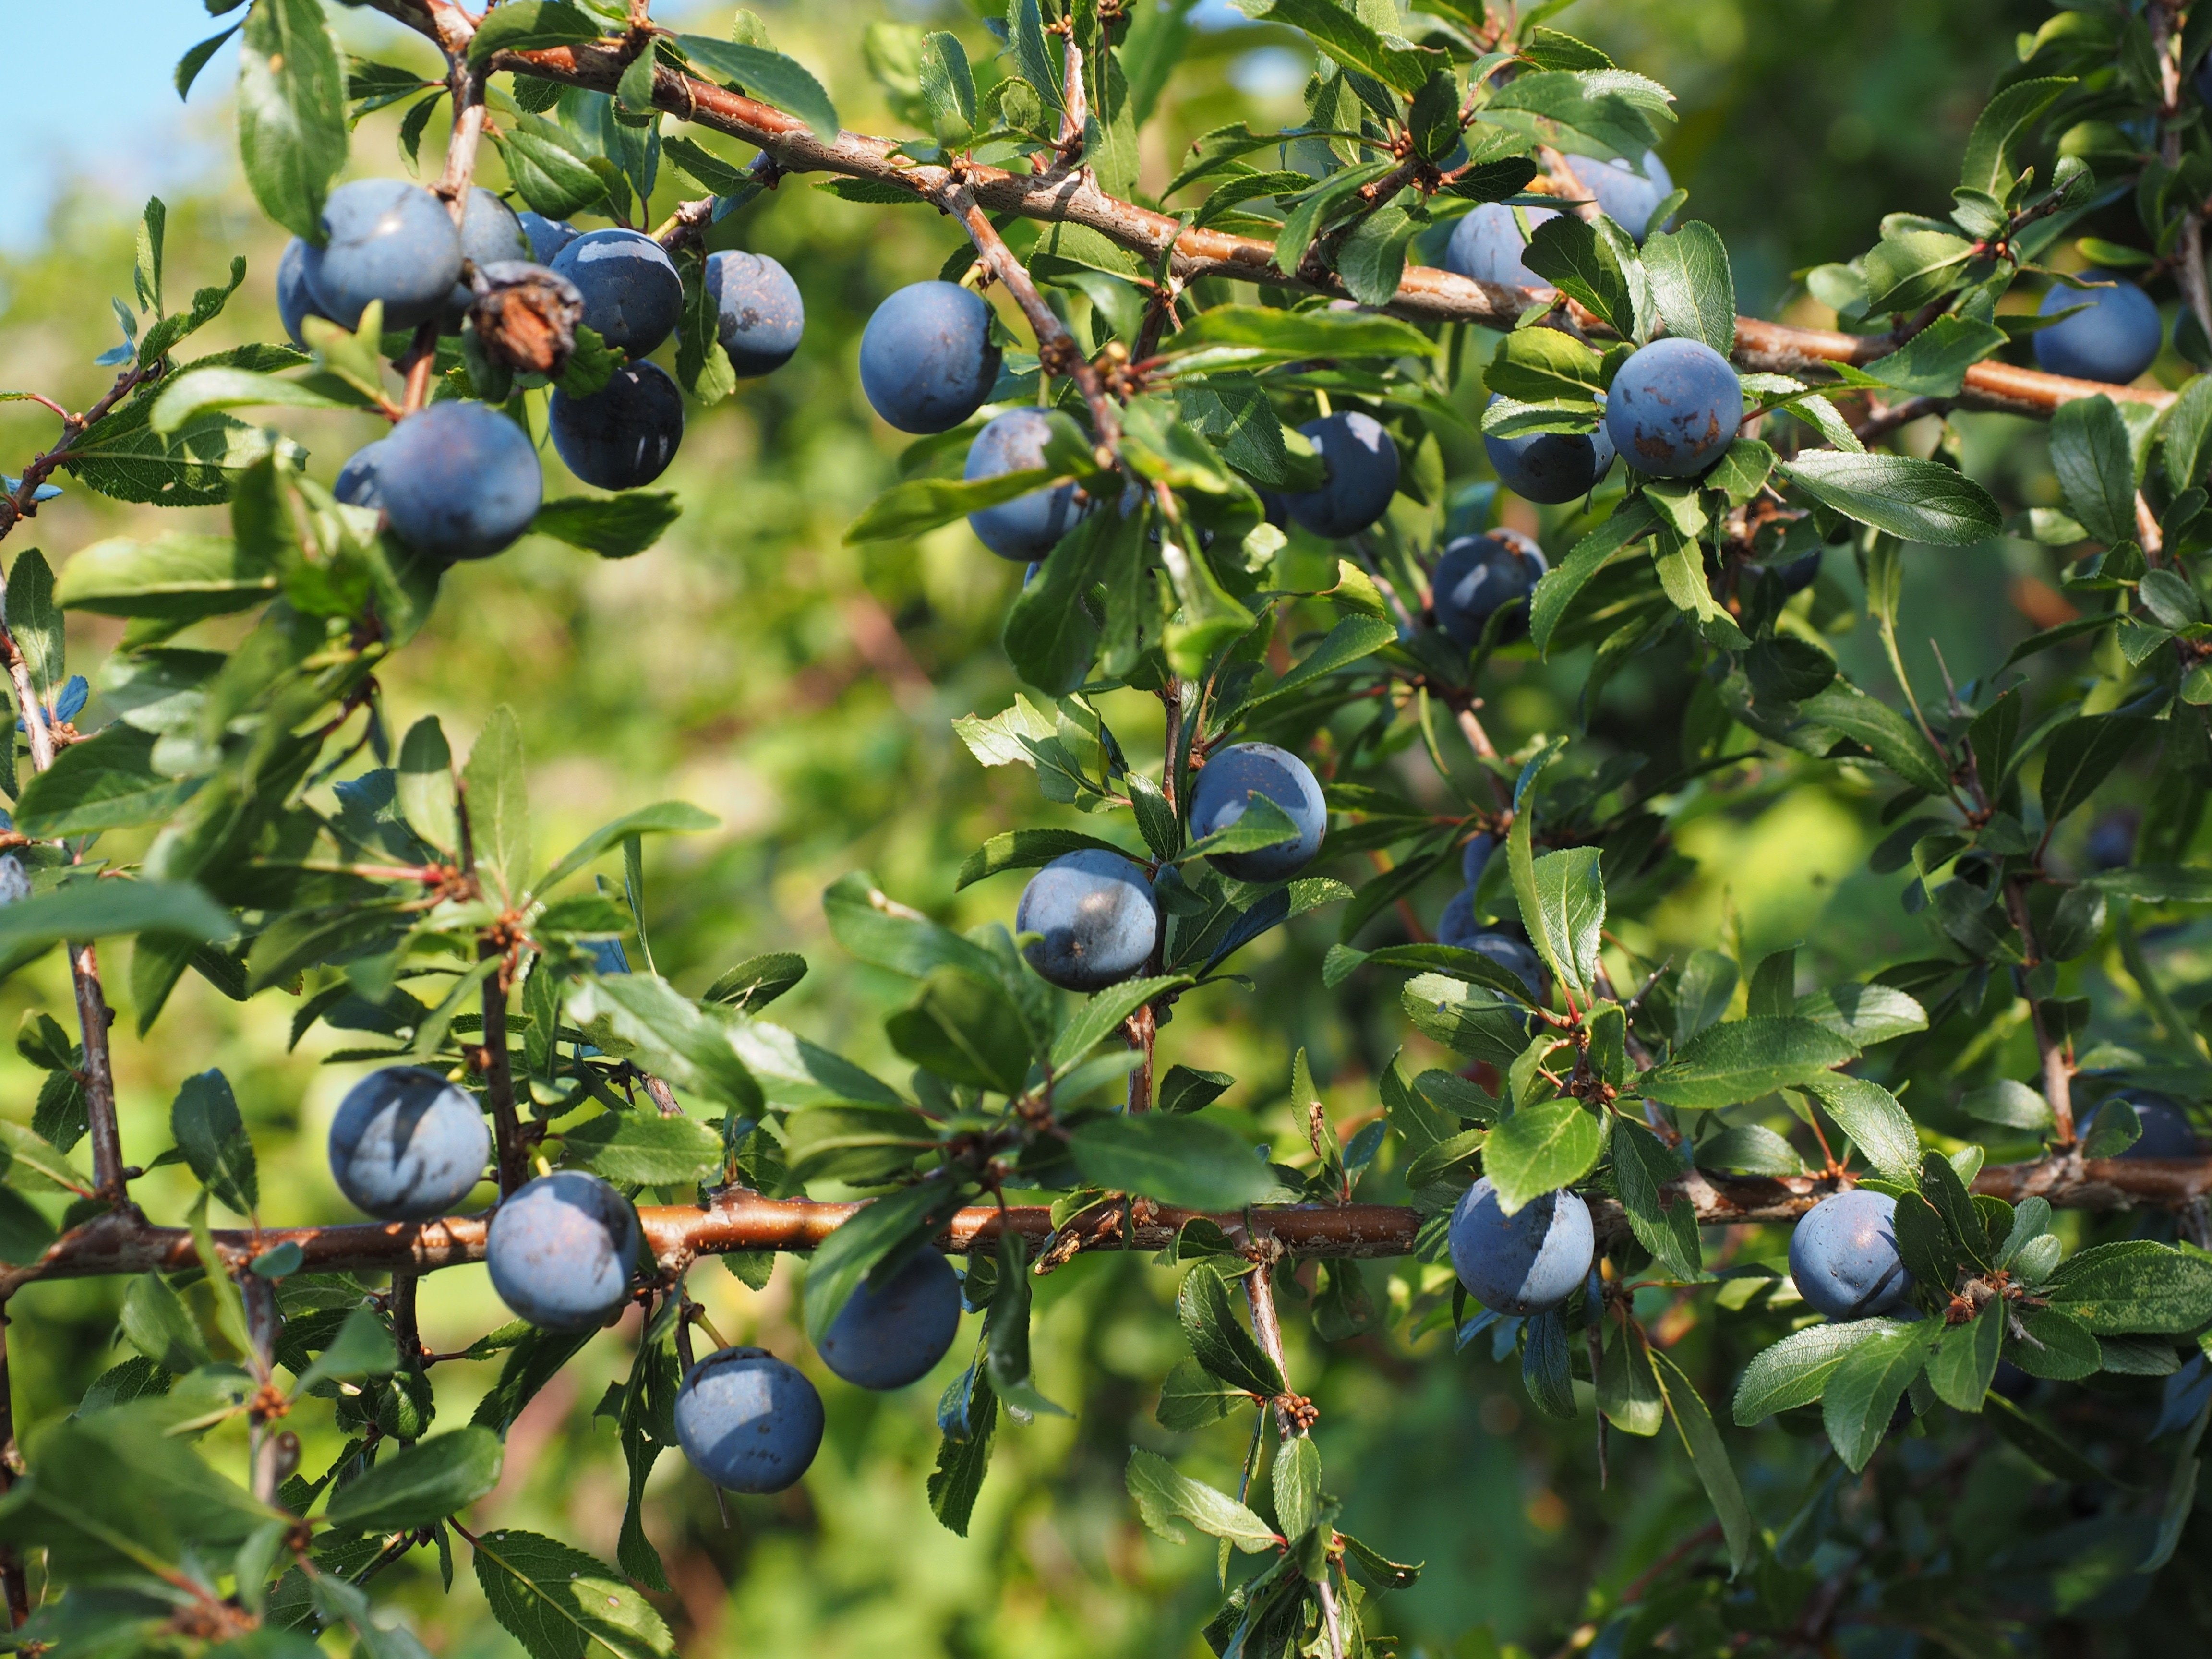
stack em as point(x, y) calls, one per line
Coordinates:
point(1219, 421)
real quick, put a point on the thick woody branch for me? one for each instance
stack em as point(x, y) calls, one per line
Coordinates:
point(1424, 293)
point(121, 1242)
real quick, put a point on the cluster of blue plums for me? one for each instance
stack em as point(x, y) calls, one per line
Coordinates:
point(565, 1251)
point(1094, 914)
point(460, 480)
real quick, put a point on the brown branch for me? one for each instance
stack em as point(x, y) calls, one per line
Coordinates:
point(1424, 293)
point(1888, 417)
point(93, 1017)
point(1057, 352)
point(123, 1243)
point(1139, 1032)
point(2050, 1050)
point(466, 84)
point(499, 1075)
point(14, 1580)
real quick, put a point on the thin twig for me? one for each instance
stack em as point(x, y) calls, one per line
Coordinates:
point(499, 1074)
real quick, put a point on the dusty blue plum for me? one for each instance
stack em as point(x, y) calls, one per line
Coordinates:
point(407, 1145)
point(1457, 925)
point(2167, 1130)
point(384, 238)
point(1674, 408)
point(758, 315)
point(1225, 787)
point(1551, 467)
point(632, 294)
point(357, 483)
point(459, 481)
point(1526, 1262)
point(888, 1338)
point(1517, 956)
point(747, 1421)
point(1475, 857)
point(2113, 339)
point(1843, 1255)
point(562, 1250)
point(1475, 575)
point(547, 236)
point(1487, 244)
point(1098, 915)
point(490, 235)
point(295, 301)
point(625, 434)
point(926, 359)
point(1627, 198)
point(1029, 526)
point(1362, 463)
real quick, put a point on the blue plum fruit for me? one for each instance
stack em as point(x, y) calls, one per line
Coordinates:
point(1526, 1262)
point(1624, 196)
point(1487, 244)
point(383, 239)
point(1098, 915)
point(1799, 574)
point(1475, 857)
point(625, 434)
point(459, 481)
point(632, 294)
point(1551, 467)
point(2112, 838)
point(1362, 464)
point(490, 235)
point(926, 359)
point(1029, 526)
point(747, 1421)
point(295, 301)
point(888, 1338)
point(1457, 925)
point(1517, 957)
point(2112, 339)
point(1225, 787)
point(407, 1145)
point(2167, 1130)
point(758, 315)
point(547, 236)
point(1477, 575)
point(562, 1250)
point(1674, 408)
point(1843, 1255)
point(357, 483)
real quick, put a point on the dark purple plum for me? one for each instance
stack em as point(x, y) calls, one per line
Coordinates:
point(1224, 789)
point(758, 315)
point(1551, 467)
point(1029, 526)
point(625, 434)
point(747, 1421)
point(1361, 461)
point(459, 481)
point(1477, 575)
point(1486, 245)
point(888, 1338)
point(926, 359)
point(562, 1251)
point(632, 294)
point(1843, 1255)
point(383, 239)
point(1526, 1262)
point(1674, 408)
point(1097, 917)
point(2112, 339)
point(407, 1145)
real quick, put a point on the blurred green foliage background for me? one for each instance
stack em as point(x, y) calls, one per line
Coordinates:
point(804, 690)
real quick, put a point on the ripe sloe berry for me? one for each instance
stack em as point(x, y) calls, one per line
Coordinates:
point(1487, 244)
point(632, 294)
point(1098, 917)
point(625, 434)
point(2167, 1130)
point(926, 359)
point(888, 1338)
point(406, 1144)
point(1231, 777)
point(1526, 1262)
point(547, 236)
point(1843, 1255)
point(1029, 526)
point(1477, 575)
point(758, 315)
point(1674, 408)
point(459, 481)
point(1551, 467)
point(490, 235)
point(2112, 339)
point(747, 1421)
point(1362, 464)
point(562, 1250)
point(383, 239)
point(1621, 195)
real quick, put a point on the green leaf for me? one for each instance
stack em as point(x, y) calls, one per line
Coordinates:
point(881, 1230)
point(1564, 911)
point(1877, 1125)
point(423, 1483)
point(879, 930)
point(550, 178)
point(2095, 464)
point(1556, 590)
point(643, 1146)
point(100, 909)
point(1371, 260)
point(1026, 849)
point(967, 1029)
point(2029, 1436)
point(204, 389)
point(121, 457)
point(1966, 1358)
point(1909, 267)
point(1222, 1345)
point(1222, 336)
point(1192, 1397)
point(208, 1131)
point(1352, 640)
point(1796, 1371)
point(1540, 1148)
point(769, 75)
point(156, 1322)
point(497, 790)
point(1164, 1497)
point(1863, 1014)
point(672, 1036)
point(361, 1347)
point(862, 1144)
point(757, 981)
point(1708, 1456)
point(1103, 1014)
point(1642, 1167)
point(292, 130)
point(1543, 365)
point(948, 90)
point(1049, 635)
point(1297, 1482)
point(1934, 362)
point(1725, 1065)
point(25, 1232)
point(531, 26)
point(1987, 165)
point(1913, 500)
point(1182, 1161)
point(662, 818)
point(35, 620)
point(2135, 1287)
point(615, 528)
point(108, 782)
point(2083, 754)
point(922, 504)
point(2188, 434)
point(424, 785)
point(1587, 263)
point(1692, 283)
point(1347, 39)
point(1862, 1392)
point(1896, 742)
point(1470, 966)
point(560, 1603)
point(178, 577)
